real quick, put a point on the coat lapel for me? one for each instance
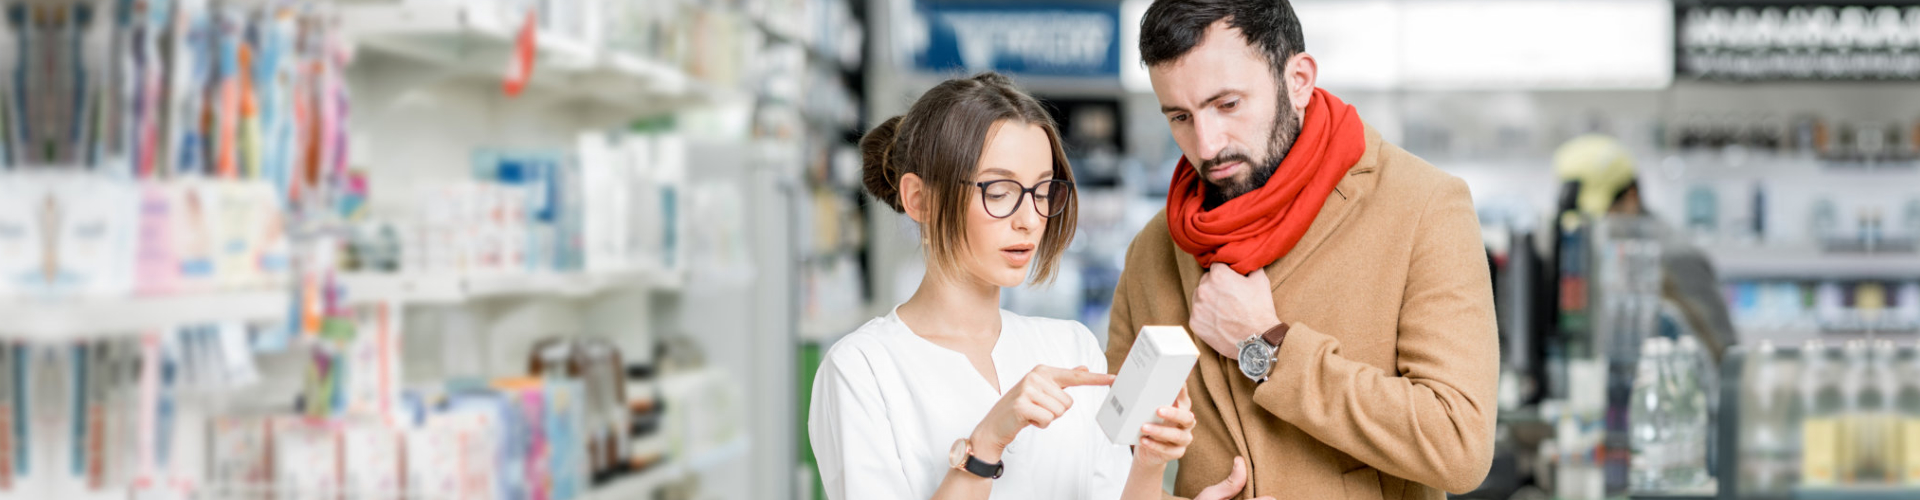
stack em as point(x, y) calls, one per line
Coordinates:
point(1214, 370)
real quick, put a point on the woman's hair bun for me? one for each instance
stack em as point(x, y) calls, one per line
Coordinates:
point(882, 179)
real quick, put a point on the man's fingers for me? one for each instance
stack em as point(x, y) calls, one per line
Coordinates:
point(1234, 482)
point(1220, 268)
point(1182, 401)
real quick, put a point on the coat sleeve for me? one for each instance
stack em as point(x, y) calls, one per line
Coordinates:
point(853, 442)
point(1433, 421)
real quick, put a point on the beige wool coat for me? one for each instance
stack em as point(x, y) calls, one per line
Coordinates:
point(1385, 385)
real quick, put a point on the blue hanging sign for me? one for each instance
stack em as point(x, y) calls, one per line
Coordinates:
point(1061, 40)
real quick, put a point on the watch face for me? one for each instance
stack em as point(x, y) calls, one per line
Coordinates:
point(957, 457)
point(1253, 359)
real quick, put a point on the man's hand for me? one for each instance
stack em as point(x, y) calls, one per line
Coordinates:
point(1229, 307)
point(1229, 487)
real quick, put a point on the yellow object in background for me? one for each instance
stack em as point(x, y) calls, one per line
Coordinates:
point(1871, 300)
point(1819, 451)
point(1910, 449)
point(1603, 166)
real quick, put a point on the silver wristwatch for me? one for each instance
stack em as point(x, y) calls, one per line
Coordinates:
point(1257, 353)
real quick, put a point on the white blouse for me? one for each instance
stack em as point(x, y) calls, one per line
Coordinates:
point(888, 405)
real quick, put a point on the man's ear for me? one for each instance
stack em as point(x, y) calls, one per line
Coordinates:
point(914, 197)
point(1299, 78)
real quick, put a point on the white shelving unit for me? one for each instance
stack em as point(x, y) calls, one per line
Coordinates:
point(450, 40)
point(645, 483)
point(51, 320)
point(453, 288)
point(1734, 263)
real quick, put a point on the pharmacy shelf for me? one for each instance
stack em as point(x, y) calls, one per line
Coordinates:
point(465, 40)
point(828, 329)
point(1762, 263)
point(645, 483)
point(66, 319)
point(454, 288)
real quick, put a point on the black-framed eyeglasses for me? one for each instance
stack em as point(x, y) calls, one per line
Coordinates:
point(1003, 196)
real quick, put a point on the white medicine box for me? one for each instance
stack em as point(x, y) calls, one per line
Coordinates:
point(1151, 377)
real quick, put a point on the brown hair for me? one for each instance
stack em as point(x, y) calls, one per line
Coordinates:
point(940, 139)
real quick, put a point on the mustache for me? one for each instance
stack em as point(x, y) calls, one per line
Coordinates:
point(1207, 166)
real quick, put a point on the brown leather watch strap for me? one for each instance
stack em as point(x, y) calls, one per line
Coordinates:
point(1274, 336)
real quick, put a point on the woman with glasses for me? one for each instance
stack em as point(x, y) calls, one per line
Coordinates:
point(949, 396)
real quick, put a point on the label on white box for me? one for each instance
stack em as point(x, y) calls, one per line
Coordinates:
point(1151, 377)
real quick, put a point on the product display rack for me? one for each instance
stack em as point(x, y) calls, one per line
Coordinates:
point(451, 40)
point(1737, 263)
point(451, 288)
point(55, 320)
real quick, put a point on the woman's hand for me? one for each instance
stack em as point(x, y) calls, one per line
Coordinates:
point(1235, 481)
point(1166, 442)
point(1037, 400)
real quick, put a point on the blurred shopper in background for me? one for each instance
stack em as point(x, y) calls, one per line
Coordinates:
point(1600, 180)
point(1340, 279)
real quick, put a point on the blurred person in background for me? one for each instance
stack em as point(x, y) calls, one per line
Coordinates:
point(1340, 280)
point(1599, 180)
point(948, 396)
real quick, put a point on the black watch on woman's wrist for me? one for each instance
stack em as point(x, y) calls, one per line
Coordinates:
point(961, 457)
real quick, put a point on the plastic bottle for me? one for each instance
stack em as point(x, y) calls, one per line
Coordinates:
point(1687, 414)
point(1909, 403)
point(1820, 416)
point(1852, 420)
point(1763, 439)
point(1648, 429)
point(1876, 439)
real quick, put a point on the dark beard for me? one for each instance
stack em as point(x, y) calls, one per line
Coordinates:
point(1286, 129)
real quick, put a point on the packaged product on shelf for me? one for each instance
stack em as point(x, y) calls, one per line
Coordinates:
point(583, 380)
point(237, 235)
point(568, 471)
point(604, 187)
point(67, 235)
point(454, 454)
point(13, 405)
point(526, 399)
point(157, 271)
point(670, 173)
point(372, 376)
point(607, 393)
point(645, 211)
point(506, 431)
point(22, 254)
point(373, 454)
point(240, 458)
point(195, 234)
point(569, 255)
point(306, 457)
point(96, 218)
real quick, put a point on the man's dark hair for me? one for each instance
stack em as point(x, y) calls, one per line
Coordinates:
point(1171, 28)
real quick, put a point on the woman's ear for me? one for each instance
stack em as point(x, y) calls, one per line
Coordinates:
point(914, 197)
